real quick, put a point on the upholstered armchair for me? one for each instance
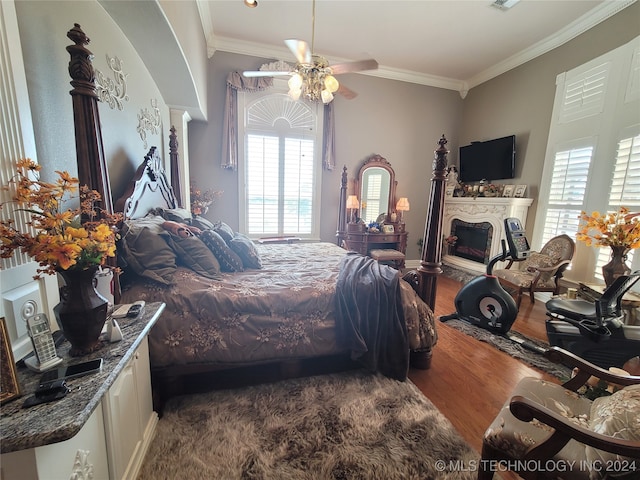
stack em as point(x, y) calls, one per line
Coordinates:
point(540, 271)
point(547, 430)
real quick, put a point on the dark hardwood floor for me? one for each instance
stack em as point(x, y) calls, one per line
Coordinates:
point(469, 380)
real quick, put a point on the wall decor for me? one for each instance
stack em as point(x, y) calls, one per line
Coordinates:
point(149, 121)
point(9, 387)
point(520, 191)
point(448, 193)
point(507, 191)
point(112, 91)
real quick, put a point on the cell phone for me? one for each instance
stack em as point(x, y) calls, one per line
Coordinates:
point(71, 371)
point(42, 339)
point(47, 392)
point(129, 310)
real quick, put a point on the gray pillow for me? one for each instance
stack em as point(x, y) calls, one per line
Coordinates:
point(193, 253)
point(246, 250)
point(224, 230)
point(229, 260)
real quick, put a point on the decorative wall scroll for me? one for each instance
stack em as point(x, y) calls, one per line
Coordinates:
point(112, 91)
point(279, 66)
point(149, 121)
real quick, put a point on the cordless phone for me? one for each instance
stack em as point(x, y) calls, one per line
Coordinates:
point(43, 343)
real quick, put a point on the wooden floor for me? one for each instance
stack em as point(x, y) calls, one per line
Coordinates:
point(469, 380)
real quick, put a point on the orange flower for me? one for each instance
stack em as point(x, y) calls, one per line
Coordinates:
point(57, 239)
point(617, 229)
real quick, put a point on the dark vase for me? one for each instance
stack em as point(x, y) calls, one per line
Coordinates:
point(616, 266)
point(82, 311)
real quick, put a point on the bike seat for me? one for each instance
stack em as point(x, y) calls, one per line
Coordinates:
point(576, 309)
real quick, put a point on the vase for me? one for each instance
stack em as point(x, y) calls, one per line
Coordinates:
point(82, 311)
point(617, 266)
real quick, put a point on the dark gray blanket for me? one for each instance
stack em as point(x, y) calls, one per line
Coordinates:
point(369, 316)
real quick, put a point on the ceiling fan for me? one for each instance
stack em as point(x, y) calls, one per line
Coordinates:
point(313, 77)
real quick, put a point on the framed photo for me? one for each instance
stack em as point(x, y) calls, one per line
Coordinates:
point(387, 228)
point(507, 191)
point(9, 387)
point(519, 191)
point(449, 191)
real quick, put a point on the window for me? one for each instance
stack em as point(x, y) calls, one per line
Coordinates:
point(593, 152)
point(279, 165)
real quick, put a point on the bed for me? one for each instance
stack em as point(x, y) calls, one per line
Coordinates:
point(292, 307)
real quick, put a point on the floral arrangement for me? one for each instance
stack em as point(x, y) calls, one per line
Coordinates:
point(201, 201)
point(617, 229)
point(374, 227)
point(492, 189)
point(451, 240)
point(59, 240)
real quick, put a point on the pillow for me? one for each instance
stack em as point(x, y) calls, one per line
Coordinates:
point(202, 223)
point(193, 253)
point(617, 416)
point(181, 229)
point(229, 260)
point(246, 250)
point(224, 230)
point(146, 252)
point(180, 215)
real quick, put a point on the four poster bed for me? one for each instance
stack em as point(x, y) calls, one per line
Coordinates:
point(283, 302)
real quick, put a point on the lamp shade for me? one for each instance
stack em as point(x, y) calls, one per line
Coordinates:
point(352, 202)
point(403, 205)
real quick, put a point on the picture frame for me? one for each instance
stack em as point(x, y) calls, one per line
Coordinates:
point(9, 386)
point(520, 191)
point(386, 228)
point(507, 191)
point(448, 193)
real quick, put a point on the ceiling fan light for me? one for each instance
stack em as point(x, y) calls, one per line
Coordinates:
point(295, 93)
point(295, 82)
point(251, 3)
point(326, 96)
point(331, 83)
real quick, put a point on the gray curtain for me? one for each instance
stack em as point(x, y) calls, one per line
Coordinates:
point(236, 81)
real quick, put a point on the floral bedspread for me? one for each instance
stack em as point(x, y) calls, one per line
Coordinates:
point(284, 310)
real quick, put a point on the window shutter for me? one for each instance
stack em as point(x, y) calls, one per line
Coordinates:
point(584, 93)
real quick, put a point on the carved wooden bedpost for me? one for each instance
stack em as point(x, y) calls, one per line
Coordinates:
point(342, 208)
point(92, 166)
point(430, 266)
point(175, 169)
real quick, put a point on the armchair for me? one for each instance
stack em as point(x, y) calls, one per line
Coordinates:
point(540, 271)
point(546, 430)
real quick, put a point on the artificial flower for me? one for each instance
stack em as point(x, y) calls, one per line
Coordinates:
point(201, 201)
point(617, 229)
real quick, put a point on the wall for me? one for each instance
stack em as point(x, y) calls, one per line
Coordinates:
point(400, 121)
point(520, 101)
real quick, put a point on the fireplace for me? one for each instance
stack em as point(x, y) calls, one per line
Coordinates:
point(473, 240)
point(479, 225)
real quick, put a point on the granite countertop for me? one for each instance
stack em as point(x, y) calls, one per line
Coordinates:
point(24, 428)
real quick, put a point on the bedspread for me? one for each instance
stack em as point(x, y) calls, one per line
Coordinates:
point(285, 310)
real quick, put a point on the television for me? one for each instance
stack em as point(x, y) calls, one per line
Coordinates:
point(490, 160)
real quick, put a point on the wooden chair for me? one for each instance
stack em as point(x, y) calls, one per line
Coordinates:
point(547, 430)
point(540, 271)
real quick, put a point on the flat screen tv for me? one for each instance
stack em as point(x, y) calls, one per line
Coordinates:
point(490, 160)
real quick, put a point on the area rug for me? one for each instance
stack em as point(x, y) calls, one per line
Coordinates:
point(349, 425)
point(515, 349)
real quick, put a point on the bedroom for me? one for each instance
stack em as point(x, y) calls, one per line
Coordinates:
point(437, 112)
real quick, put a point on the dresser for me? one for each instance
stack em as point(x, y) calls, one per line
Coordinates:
point(101, 429)
point(364, 242)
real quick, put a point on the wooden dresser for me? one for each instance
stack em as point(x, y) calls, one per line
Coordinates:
point(364, 242)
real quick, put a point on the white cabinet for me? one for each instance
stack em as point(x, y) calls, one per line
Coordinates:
point(129, 417)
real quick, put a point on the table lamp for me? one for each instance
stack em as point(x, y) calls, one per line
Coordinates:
point(402, 206)
point(353, 205)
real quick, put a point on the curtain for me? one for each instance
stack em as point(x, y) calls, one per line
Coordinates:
point(328, 143)
point(236, 81)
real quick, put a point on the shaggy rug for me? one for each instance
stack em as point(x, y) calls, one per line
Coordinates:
point(516, 347)
point(349, 425)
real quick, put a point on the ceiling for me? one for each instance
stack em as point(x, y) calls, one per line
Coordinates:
point(454, 44)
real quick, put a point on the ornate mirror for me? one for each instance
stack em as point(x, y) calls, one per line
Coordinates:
point(376, 189)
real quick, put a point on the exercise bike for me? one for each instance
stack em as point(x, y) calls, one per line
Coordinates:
point(483, 301)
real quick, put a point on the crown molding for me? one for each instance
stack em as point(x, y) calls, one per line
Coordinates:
point(591, 19)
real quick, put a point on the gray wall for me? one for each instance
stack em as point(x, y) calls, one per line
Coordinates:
point(520, 101)
point(400, 121)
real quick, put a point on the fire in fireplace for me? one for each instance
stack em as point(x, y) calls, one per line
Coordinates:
point(473, 240)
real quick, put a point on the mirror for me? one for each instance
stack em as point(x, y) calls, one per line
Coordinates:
point(376, 189)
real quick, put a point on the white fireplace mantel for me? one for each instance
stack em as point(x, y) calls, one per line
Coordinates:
point(483, 209)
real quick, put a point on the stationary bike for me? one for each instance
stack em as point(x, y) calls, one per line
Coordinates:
point(483, 302)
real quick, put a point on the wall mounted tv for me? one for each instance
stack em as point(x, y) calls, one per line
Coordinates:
point(490, 160)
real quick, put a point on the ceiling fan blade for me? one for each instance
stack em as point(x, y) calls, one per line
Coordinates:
point(357, 66)
point(300, 50)
point(258, 73)
point(346, 92)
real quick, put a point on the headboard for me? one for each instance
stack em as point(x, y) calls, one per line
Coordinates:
point(92, 168)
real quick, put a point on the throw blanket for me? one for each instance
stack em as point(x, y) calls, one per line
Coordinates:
point(369, 316)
